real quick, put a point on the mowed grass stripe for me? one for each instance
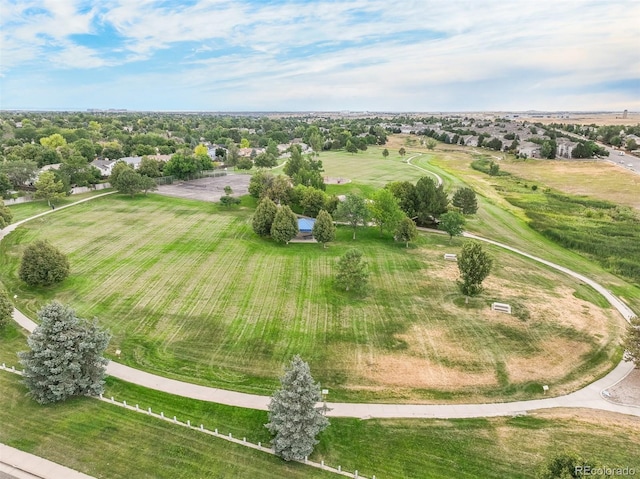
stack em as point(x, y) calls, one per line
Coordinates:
point(193, 293)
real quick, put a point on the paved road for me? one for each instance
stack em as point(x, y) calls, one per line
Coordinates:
point(589, 397)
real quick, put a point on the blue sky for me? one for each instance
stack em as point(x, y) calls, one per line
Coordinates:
point(301, 55)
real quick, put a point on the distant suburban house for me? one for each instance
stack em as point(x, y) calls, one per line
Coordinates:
point(104, 166)
point(565, 147)
point(530, 150)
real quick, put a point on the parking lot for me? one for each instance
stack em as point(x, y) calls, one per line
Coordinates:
point(207, 189)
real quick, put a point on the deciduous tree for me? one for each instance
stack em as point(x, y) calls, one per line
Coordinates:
point(285, 225)
point(6, 308)
point(385, 210)
point(406, 230)
point(474, 265)
point(49, 188)
point(453, 223)
point(353, 273)
point(354, 211)
point(43, 264)
point(129, 182)
point(431, 144)
point(294, 419)
point(5, 215)
point(385, 153)
point(65, 357)
point(632, 341)
point(324, 230)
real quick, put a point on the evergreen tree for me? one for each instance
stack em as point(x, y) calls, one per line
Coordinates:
point(465, 199)
point(323, 229)
point(6, 308)
point(294, 419)
point(43, 264)
point(406, 230)
point(285, 225)
point(453, 223)
point(474, 266)
point(263, 217)
point(352, 271)
point(65, 357)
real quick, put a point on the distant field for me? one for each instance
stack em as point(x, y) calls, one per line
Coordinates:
point(597, 179)
point(603, 119)
point(189, 291)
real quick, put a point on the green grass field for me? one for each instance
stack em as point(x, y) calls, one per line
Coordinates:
point(189, 291)
point(107, 441)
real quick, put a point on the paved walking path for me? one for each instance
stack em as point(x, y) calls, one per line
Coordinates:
point(22, 465)
point(438, 177)
point(588, 397)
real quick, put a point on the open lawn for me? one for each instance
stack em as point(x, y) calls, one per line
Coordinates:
point(500, 219)
point(22, 211)
point(107, 441)
point(189, 291)
point(368, 167)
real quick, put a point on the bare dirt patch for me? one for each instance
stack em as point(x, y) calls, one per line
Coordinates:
point(411, 372)
point(336, 181)
point(207, 189)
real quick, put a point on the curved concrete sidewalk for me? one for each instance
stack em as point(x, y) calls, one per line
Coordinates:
point(588, 397)
point(438, 177)
point(23, 465)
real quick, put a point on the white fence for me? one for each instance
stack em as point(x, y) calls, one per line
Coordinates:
point(200, 428)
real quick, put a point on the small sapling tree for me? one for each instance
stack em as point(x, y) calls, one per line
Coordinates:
point(453, 223)
point(352, 272)
point(406, 231)
point(474, 265)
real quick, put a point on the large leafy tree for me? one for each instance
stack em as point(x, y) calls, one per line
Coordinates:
point(19, 172)
point(385, 210)
point(294, 419)
point(49, 188)
point(465, 199)
point(406, 230)
point(43, 264)
point(285, 225)
point(264, 216)
point(405, 192)
point(6, 307)
point(131, 182)
point(324, 230)
point(353, 272)
point(474, 265)
point(432, 200)
point(354, 211)
point(65, 357)
point(453, 223)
